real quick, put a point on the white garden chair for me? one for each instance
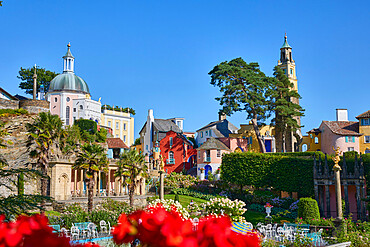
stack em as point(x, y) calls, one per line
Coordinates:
point(75, 233)
point(103, 227)
point(93, 232)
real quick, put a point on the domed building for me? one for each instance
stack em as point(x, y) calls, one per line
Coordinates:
point(69, 95)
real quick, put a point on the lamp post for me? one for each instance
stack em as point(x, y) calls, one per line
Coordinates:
point(159, 163)
point(338, 189)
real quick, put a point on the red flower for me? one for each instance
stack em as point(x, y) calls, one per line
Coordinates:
point(125, 231)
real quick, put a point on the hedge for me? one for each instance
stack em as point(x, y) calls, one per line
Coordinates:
point(308, 209)
point(282, 172)
point(188, 192)
point(87, 125)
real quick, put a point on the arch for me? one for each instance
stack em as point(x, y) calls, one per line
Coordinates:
point(304, 147)
point(238, 150)
point(63, 181)
point(316, 140)
point(192, 156)
point(207, 169)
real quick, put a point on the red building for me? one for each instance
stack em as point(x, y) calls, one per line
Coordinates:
point(177, 151)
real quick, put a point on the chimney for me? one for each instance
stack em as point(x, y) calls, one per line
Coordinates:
point(221, 116)
point(342, 114)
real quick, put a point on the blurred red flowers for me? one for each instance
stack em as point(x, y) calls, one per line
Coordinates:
point(31, 232)
point(158, 227)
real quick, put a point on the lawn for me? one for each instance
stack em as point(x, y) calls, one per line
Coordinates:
point(185, 200)
point(256, 217)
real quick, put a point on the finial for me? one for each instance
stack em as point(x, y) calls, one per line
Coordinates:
point(69, 44)
point(285, 36)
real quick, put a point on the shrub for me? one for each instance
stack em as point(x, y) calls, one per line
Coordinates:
point(178, 180)
point(308, 209)
point(234, 209)
point(87, 125)
point(10, 112)
point(188, 192)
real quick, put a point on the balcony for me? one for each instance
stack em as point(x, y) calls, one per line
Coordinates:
point(170, 161)
point(207, 159)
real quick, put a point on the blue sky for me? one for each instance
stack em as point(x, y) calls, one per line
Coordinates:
point(157, 54)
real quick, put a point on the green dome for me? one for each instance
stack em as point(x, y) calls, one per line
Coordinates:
point(68, 82)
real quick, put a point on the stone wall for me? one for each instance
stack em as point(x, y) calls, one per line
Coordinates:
point(35, 106)
point(9, 104)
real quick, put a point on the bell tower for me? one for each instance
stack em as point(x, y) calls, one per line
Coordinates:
point(287, 64)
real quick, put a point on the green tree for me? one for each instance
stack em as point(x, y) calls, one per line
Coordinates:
point(44, 138)
point(131, 167)
point(286, 111)
point(92, 158)
point(44, 77)
point(246, 88)
point(72, 139)
point(137, 141)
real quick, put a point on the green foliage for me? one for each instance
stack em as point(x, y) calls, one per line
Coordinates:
point(283, 173)
point(188, 192)
point(244, 87)
point(87, 125)
point(20, 183)
point(316, 222)
point(137, 141)
point(234, 209)
point(308, 209)
point(114, 206)
point(176, 198)
point(9, 112)
point(117, 108)
point(178, 180)
point(44, 77)
point(131, 167)
point(358, 233)
point(71, 140)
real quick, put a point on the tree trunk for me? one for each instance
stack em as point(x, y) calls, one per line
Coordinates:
point(90, 195)
point(131, 193)
point(44, 181)
point(259, 137)
point(283, 143)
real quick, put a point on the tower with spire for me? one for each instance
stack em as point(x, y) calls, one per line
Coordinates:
point(287, 64)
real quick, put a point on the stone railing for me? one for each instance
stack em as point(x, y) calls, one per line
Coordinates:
point(9, 104)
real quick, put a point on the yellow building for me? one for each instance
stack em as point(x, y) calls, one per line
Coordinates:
point(246, 131)
point(311, 142)
point(121, 123)
point(364, 129)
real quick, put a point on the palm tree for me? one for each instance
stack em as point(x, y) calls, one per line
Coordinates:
point(92, 158)
point(131, 166)
point(44, 135)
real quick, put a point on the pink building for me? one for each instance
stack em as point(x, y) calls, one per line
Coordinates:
point(209, 157)
point(341, 133)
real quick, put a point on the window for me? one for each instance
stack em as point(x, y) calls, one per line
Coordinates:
point(109, 123)
point(55, 99)
point(124, 138)
point(147, 148)
point(117, 136)
point(171, 142)
point(365, 121)
point(351, 149)
point(206, 132)
point(178, 123)
point(67, 115)
point(68, 99)
point(81, 107)
point(218, 153)
point(124, 127)
point(304, 147)
point(367, 151)
point(117, 125)
point(74, 109)
point(316, 140)
point(350, 139)
point(291, 71)
point(209, 132)
point(198, 154)
point(201, 134)
point(367, 139)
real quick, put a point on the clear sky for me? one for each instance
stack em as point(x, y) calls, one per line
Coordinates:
point(157, 54)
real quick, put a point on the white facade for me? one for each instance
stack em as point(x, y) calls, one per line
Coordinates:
point(121, 123)
point(204, 134)
point(86, 108)
point(148, 138)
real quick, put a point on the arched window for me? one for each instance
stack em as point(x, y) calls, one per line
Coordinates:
point(67, 115)
point(81, 107)
point(304, 147)
point(316, 140)
point(170, 155)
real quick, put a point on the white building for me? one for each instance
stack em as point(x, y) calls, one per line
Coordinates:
point(69, 95)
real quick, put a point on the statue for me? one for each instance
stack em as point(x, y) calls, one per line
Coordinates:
point(336, 159)
point(161, 163)
point(99, 100)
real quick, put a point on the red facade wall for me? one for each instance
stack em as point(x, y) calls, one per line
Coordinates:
point(178, 149)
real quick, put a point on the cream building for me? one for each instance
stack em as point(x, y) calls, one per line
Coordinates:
point(121, 123)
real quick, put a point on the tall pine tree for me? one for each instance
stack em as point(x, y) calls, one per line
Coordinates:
point(286, 111)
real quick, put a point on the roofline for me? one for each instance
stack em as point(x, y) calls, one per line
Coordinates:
point(10, 96)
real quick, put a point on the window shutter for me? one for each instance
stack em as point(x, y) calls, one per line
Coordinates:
point(346, 138)
point(353, 139)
